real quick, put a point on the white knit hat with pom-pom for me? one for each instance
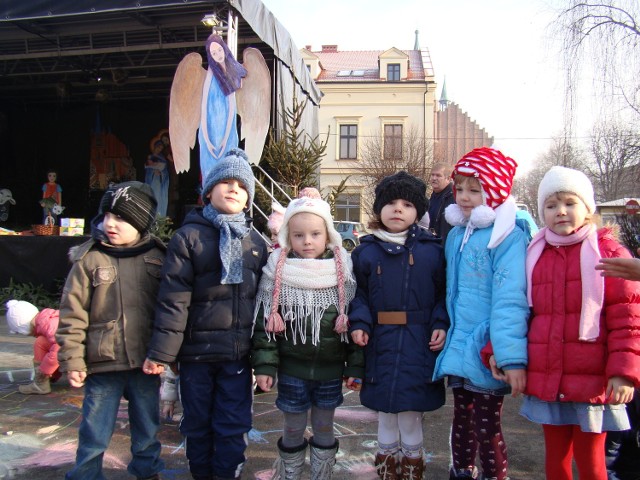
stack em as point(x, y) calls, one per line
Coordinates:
point(309, 205)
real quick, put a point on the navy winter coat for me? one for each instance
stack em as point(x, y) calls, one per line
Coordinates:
point(197, 318)
point(400, 278)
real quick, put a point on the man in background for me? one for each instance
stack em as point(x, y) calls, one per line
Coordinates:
point(441, 198)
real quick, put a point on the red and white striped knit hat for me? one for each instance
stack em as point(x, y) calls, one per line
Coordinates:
point(494, 170)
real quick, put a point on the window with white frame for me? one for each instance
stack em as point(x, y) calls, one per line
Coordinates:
point(347, 207)
point(393, 142)
point(348, 142)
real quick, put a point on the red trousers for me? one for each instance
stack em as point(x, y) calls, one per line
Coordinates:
point(566, 442)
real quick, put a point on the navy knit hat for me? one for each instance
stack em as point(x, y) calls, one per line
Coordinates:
point(235, 164)
point(134, 202)
point(401, 185)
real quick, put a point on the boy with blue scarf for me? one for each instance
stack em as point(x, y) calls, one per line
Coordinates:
point(204, 319)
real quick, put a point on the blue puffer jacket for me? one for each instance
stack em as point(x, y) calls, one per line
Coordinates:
point(486, 299)
point(400, 278)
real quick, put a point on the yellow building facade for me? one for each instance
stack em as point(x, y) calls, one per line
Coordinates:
point(379, 95)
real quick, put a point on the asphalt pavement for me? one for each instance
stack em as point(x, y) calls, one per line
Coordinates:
point(38, 433)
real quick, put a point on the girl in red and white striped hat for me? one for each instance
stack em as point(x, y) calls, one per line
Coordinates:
point(486, 300)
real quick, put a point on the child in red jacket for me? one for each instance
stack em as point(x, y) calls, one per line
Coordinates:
point(25, 319)
point(583, 336)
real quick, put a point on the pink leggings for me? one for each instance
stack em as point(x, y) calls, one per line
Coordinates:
point(562, 443)
point(477, 429)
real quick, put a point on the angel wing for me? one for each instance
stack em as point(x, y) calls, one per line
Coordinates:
point(184, 108)
point(254, 103)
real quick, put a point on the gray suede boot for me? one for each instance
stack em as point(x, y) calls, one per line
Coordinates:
point(289, 464)
point(40, 384)
point(322, 460)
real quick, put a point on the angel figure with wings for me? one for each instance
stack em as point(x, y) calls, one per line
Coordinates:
point(208, 100)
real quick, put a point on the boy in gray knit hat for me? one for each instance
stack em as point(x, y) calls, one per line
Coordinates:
point(204, 319)
point(104, 329)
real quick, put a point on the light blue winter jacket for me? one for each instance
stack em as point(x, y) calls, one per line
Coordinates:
point(486, 299)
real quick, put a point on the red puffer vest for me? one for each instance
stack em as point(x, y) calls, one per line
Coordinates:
point(562, 368)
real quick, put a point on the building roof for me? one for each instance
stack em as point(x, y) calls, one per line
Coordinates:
point(620, 202)
point(364, 65)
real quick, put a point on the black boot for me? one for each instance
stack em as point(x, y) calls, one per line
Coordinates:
point(463, 473)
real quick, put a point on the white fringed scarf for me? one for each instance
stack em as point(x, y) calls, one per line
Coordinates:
point(305, 289)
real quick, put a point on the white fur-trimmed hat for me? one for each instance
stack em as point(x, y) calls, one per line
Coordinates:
point(309, 205)
point(562, 179)
point(19, 316)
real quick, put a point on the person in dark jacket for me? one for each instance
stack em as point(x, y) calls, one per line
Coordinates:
point(399, 317)
point(106, 313)
point(204, 319)
point(441, 198)
point(301, 333)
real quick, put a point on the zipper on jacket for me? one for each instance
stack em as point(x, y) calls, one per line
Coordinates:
point(235, 294)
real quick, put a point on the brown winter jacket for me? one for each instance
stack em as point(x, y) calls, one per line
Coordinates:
point(107, 306)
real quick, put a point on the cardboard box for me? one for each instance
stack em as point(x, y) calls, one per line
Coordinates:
point(71, 231)
point(72, 222)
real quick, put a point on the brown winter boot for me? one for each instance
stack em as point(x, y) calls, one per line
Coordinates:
point(412, 468)
point(387, 466)
point(40, 384)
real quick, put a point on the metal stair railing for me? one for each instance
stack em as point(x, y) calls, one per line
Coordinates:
point(270, 192)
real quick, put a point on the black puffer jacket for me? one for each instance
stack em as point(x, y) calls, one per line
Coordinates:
point(197, 318)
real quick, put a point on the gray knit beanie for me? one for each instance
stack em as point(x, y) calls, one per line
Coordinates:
point(235, 164)
point(133, 201)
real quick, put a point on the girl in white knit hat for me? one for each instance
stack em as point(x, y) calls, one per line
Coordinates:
point(584, 359)
point(301, 335)
point(25, 319)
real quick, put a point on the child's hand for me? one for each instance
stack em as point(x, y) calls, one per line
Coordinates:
point(265, 382)
point(360, 337)
point(353, 383)
point(168, 408)
point(517, 378)
point(437, 340)
point(496, 372)
point(152, 368)
point(76, 378)
point(620, 390)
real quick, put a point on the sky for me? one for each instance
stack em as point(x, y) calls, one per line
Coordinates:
point(501, 63)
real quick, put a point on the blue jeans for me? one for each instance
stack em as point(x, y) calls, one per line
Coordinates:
point(216, 402)
point(296, 395)
point(102, 394)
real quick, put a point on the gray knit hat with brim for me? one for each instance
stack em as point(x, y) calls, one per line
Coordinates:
point(134, 202)
point(235, 165)
point(404, 186)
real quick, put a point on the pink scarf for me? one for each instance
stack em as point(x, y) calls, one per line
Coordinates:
point(592, 283)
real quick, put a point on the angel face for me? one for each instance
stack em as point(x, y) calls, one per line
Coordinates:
point(217, 52)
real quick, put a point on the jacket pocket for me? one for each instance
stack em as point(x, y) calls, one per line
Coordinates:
point(101, 342)
point(153, 265)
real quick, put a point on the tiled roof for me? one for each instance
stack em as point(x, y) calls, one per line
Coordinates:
point(367, 63)
point(621, 202)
